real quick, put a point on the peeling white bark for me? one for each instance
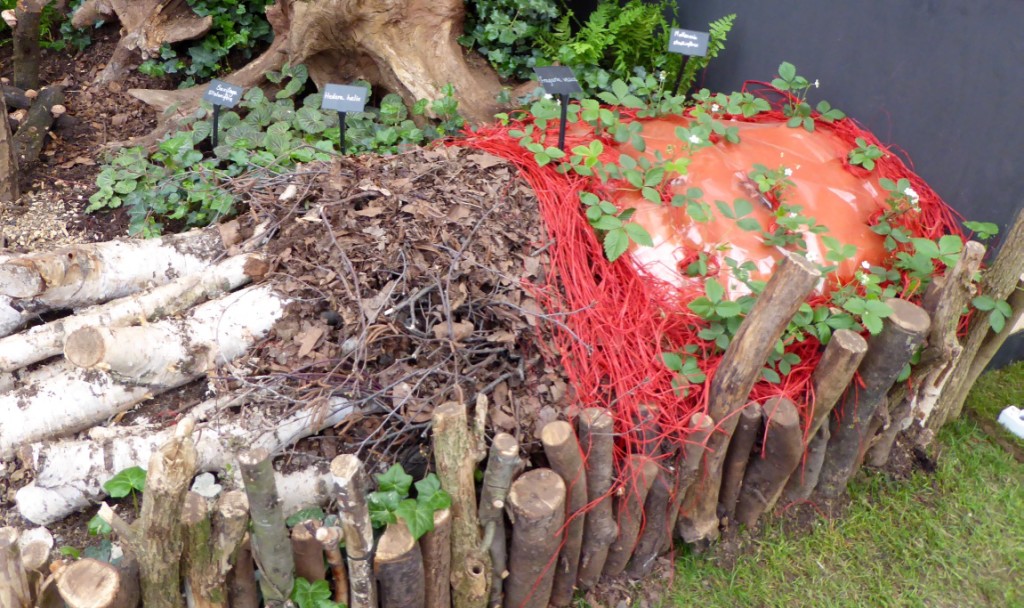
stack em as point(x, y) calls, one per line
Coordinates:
point(73, 399)
point(83, 275)
point(47, 340)
point(69, 474)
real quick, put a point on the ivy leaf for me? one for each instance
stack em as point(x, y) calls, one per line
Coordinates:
point(430, 494)
point(418, 517)
point(305, 514)
point(382, 507)
point(395, 479)
point(312, 595)
point(132, 479)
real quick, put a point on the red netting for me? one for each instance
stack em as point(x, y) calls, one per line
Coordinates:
point(610, 321)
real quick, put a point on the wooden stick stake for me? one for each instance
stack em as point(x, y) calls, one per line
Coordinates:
point(308, 552)
point(653, 533)
point(351, 484)
point(330, 539)
point(90, 583)
point(638, 475)
point(687, 465)
point(536, 506)
point(501, 466)
point(836, 368)
point(242, 589)
point(563, 452)
point(270, 545)
point(766, 477)
point(802, 482)
point(596, 430)
point(398, 566)
point(888, 352)
point(436, 546)
point(454, 447)
point(738, 456)
point(792, 281)
point(14, 589)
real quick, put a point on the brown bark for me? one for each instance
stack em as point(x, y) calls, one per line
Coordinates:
point(31, 136)
point(453, 453)
point(791, 282)
point(89, 583)
point(537, 509)
point(836, 368)
point(638, 476)
point(998, 282)
point(564, 457)
point(803, 480)
point(653, 533)
point(156, 537)
point(398, 566)
point(242, 589)
point(15, 97)
point(436, 546)
point(596, 436)
point(351, 485)
point(687, 464)
point(738, 456)
point(14, 589)
point(270, 545)
point(9, 188)
point(888, 352)
point(766, 476)
point(330, 538)
point(308, 552)
point(501, 467)
point(26, 51)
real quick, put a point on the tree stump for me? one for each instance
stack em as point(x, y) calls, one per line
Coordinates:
point(536, 506)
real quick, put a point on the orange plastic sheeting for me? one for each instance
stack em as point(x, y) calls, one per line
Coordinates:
point(824, 189)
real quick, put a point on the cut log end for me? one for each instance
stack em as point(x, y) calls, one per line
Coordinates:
point(86, 347)
point(18, 281)
point(537, 494)
point(506, 444)
point(556, 433)
point(849, 341)
point(909, 317)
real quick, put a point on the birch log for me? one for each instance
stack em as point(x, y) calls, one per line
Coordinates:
point(596, 436)
point(902, 332)
point(351, 485)
point(502, 463)
point(83, 275)
point(47, 340)
point(536, 506)
point(791, 282)
point(73, 399)
point(270, 545)
point(563, 452)
point(454, 449)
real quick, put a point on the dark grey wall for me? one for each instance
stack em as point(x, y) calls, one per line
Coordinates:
point(941, 79)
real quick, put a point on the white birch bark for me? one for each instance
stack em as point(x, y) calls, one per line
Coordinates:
point(83, 275)
point(69, 474)
point(76, 398)
point(47, 340)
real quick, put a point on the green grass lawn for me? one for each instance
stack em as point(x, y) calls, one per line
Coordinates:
point(952, 538)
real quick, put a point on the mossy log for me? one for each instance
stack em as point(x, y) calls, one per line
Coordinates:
point(270, 544)
point(31, 135)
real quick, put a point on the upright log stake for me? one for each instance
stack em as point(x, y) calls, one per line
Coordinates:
point(596, 436)
point(14, 589)
point(398, 566)
point(330, 539)
point(791, 282)
point(738, 456)
point(351, 485)
point(309, 553)
point(638, 476)
point(902, 332)
point(436, 546)
point(271, 547)
point(536, 506)
point(803, 481)
point(687, 465)
point(652, 534)
point(90, 583)
point(501, 467)
point(563, 452)
point(454, 450)
point(9, 188)
point(766, 476)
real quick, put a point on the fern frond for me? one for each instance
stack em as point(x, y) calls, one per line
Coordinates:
point(719, 30)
